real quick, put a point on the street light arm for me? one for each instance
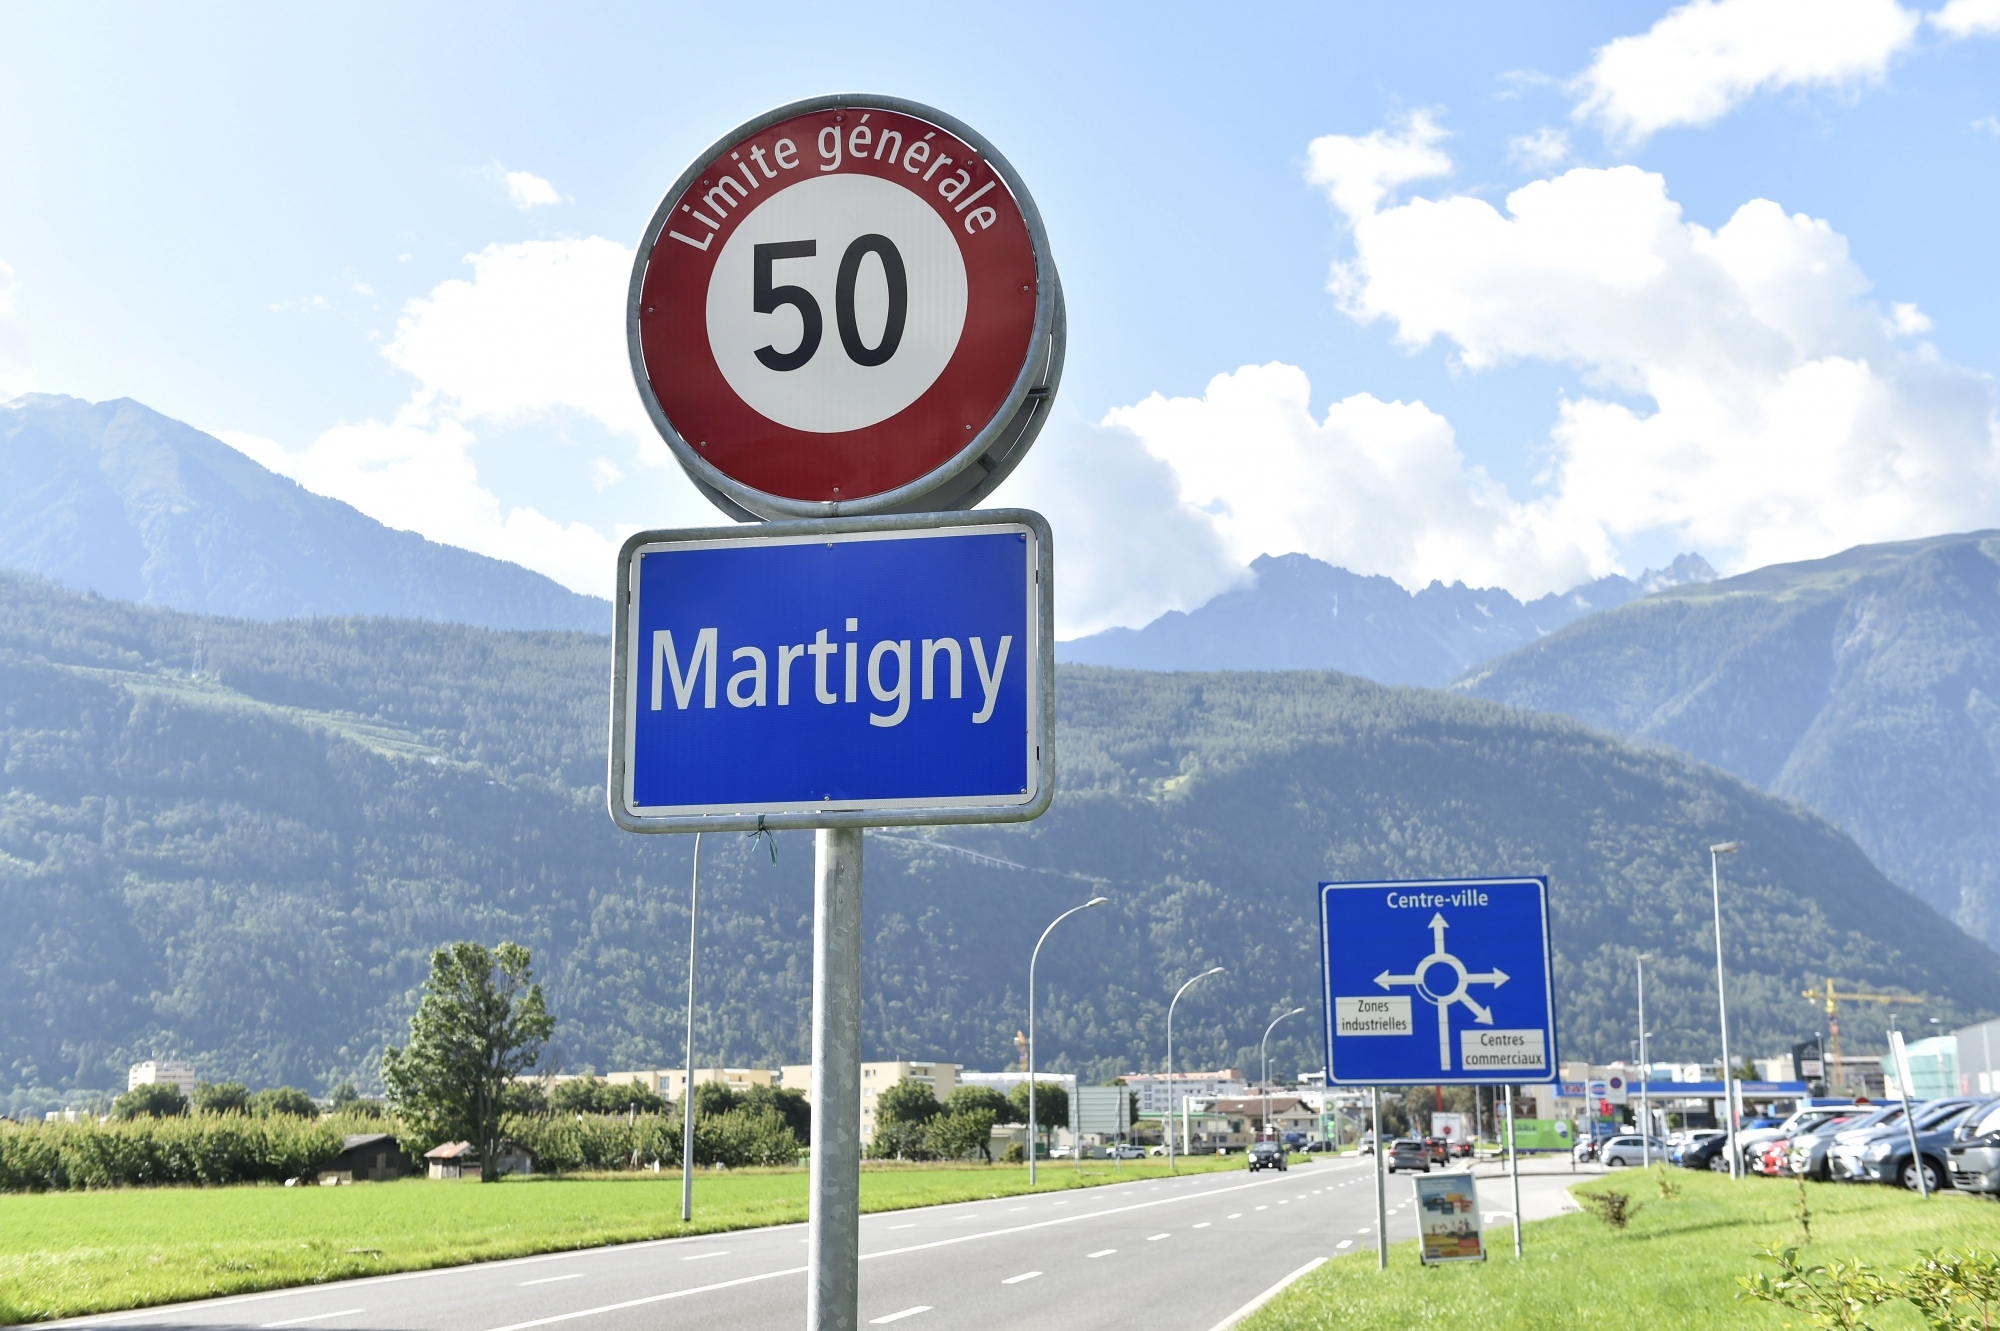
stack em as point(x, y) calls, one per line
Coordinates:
point(1034, 957)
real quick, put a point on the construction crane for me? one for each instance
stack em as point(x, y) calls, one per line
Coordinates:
point(1831, 997)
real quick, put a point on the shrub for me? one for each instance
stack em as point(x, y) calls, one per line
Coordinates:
point(145, 1151)
point(222, 1097)
point(288, 1100)
point(157, 1101)
point(1615, 1209)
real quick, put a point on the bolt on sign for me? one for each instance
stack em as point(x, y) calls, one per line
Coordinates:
point(847, 306)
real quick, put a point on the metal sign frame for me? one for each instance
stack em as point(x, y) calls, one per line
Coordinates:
point(1505, 1077)
point(978, 468)
point(1039, 660)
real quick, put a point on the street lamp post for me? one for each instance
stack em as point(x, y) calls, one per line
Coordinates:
point(1173, 1095)
point(1033, 957)
point(1264, 1056)
point(1715, 854)
point(1645, 1099)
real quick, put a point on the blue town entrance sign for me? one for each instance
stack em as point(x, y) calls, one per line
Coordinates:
point(1446, 981)
point(846, 672)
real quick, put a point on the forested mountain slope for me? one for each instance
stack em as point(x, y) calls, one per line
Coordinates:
point(251, 865)
point(1300, 613)
point(115, 498)
point(1865, 686)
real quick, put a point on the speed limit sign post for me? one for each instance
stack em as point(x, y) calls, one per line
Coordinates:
point(845, 322)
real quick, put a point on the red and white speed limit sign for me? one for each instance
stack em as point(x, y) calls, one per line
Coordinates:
point(847, 306)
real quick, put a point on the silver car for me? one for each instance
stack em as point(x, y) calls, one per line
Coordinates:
point(1974, 1154)
point(1620, 1152)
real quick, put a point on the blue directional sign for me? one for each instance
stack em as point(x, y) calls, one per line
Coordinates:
point(1446, 981)
point(865, 671)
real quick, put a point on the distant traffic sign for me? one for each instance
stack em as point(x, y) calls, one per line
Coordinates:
point(846, 306)
point(840, 673)
point(1439, 981)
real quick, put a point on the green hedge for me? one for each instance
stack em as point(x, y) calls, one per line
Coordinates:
point(738, 1138)
point(148, 1152)
point(232, 1148)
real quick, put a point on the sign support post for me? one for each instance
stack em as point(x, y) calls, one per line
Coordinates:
point(1381, 1189)
point(1514, 1168)
point(687, 1087)
point(740, 654)
point(833, 1225)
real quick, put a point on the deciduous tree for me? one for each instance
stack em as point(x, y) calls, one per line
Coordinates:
point(480, 1023)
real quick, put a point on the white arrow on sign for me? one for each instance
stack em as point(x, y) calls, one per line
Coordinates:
point(1457, 994)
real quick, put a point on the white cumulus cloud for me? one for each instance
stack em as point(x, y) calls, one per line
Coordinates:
point(534, 334)
point(526, 189)
point(540, 325)
point(1747, 395)
point(1703, 59)
point(1968, 18)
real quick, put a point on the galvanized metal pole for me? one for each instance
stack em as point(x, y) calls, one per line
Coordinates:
point(1381, 1188)
point(687, 1082)
point(1645, 1104)
point(833, 1225)
point(1715, 854)
point(1514, 1167)
point(1902, 1061)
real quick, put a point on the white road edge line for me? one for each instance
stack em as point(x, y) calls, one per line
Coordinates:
point(1226, 1323)
point(897, 1317)
point(652, 1298)
point(549, 1280)
point(316, 1317)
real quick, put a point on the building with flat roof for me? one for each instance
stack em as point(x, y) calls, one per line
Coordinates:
point(162, 1072)
point(1159, 1093)
point(671, 1083)
point(942, 1078)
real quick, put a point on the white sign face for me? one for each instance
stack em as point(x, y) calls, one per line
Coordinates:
point(1388, 1015)
point(1496, 1050)
point(836, 303)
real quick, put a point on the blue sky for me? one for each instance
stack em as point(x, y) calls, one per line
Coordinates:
point(258, 220)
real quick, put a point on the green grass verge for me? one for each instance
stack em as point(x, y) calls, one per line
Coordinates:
point(67, 1253)
point(1675, 1266)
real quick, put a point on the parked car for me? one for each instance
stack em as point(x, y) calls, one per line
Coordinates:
point(1751, 1140)
point(1712, 1154)
point(1268, 1155)
point(1632, 1149)
point(1806, 1156)
point(1974, 1153)
point(1128, 1152)
point(1318, 1147)
point(1679, 1142)
point(1883, 1156)
point(1769, 1158)
point(1406, 1153)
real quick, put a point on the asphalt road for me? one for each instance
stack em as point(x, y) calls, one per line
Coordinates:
point(1165, 1255)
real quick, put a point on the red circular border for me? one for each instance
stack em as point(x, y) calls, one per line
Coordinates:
point(752, 449)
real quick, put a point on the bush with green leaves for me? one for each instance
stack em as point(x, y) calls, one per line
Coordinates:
point(161, 1100)
point(1952, 1291)
point(221, 1097)
point(902, 1115)
point(956, 1135)
point(589, 1095)
point(285, 1100)
point(177, 1149)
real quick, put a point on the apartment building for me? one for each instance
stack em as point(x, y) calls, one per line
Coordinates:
point(942, 1078)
